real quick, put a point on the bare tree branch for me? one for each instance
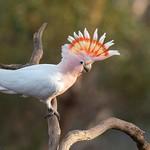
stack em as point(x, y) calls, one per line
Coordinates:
point(11, 66)
point(38, 46)
point(53, 123)
point(53, 129)
point(112, 123)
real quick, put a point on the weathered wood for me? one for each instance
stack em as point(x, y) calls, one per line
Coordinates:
point(38, 46)
point(112, 123)
point(53, 129)
point(11, 66)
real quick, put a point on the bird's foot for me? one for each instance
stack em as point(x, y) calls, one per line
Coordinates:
point(52, 112)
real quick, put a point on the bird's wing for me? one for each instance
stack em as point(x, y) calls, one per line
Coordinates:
point(38, 81)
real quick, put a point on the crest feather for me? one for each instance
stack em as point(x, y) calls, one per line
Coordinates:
point(90, 46)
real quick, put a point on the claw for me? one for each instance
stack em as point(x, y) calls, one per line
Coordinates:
point(57, 115)
point(52, 112)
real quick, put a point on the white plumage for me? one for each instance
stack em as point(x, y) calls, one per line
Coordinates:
point(38, 81)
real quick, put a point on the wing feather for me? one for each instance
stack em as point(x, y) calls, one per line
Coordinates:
point(37, 81)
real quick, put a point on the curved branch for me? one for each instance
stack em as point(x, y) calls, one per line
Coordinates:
point(112, 123)
point(38, 46)
point(11, 66)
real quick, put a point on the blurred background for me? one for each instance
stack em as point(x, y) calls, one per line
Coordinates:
point(119, 86)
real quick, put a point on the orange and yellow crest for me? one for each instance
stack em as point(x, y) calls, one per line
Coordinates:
point(92, 47)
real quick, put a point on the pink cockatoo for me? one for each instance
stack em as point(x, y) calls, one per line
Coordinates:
point(47, 81)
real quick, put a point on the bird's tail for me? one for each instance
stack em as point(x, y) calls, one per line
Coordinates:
point(3, 77)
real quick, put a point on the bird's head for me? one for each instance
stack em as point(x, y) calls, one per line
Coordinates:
point(84, 50)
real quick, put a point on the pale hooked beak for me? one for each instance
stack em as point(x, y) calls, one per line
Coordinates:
point(87, 67)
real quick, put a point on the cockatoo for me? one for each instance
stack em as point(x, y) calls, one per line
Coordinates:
point(47, 81)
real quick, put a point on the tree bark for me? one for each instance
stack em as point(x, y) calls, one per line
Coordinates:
point(130, 129)
point(53, 130)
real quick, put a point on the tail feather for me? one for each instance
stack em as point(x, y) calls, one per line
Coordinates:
point(3, 75)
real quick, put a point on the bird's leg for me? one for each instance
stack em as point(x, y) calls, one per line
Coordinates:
point(52, 112)
point(52, 108)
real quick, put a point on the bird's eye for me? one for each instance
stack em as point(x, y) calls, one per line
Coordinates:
point(81, 62)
